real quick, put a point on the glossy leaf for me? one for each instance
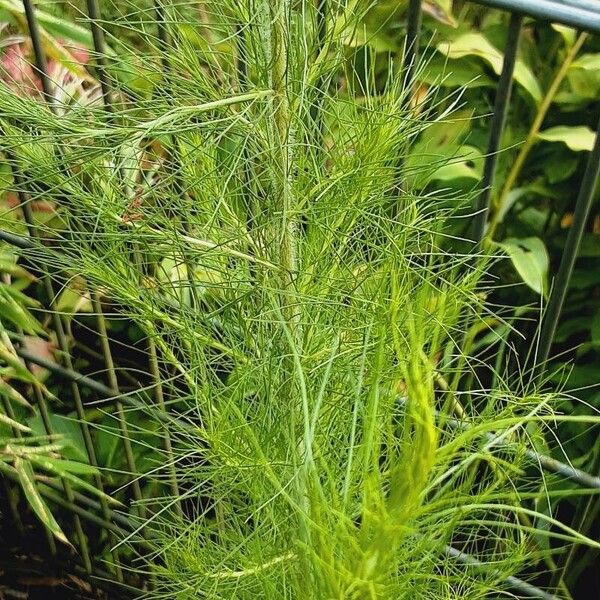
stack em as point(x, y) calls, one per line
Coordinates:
point(476, 44)
point(584, 76)
point(440, 10)
point(464, 72)
point(577, 138)
point(70, 432)
point(530, 258)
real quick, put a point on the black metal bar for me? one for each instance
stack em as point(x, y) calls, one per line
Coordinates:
point(591, 5)
point(102, 390)
point(99, 46)
point(585, 200)
point(518, 585)
point(545, 462)
point(585, 514)
point(574, 13)
point(498, 121)
point(18, 241)
point(100, 49)
point(39, 396)
point(40, 66)
point(411, 45)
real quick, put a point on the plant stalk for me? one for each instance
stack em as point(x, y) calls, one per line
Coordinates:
point(530, 140)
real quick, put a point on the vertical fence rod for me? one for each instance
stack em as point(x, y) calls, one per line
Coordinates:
point(414, 19)
point(174, 160)
point(42, 68)
point(583, 207)
point(497, 127)
point(100, 49)
point(63, 344)
point(316, 109)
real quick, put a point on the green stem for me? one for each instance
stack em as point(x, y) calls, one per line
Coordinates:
point(114, 385)
point(160, 400)
point(531, 138)
point(288, 247)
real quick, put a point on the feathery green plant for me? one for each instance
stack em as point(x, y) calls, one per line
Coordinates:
point(240, 203)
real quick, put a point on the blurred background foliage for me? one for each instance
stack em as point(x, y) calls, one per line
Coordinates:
point(549, 131)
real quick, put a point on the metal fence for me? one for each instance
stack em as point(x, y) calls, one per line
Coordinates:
point(581, 14)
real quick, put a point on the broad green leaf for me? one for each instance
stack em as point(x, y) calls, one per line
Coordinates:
point(467, 164)
point(584, 76)
point(70, 432)
point(560, 165)
point(568, 34)
point(74, 298)
point(456, 170)
point(35, 500)
point(584, 279)
point(440, 10)
point(379, 26)
point(463, 72)
point(589, 247)
point(439, 154)
point(8, 264)
point(512, 197)
point(578, 138)
point(107, 449)
point(530, 258)
point(587, 62)
point(571, 327)
point(476, 44)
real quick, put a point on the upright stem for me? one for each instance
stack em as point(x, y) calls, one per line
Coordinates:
point(585, 514)
point(288, 246)
point(167, 445)
point(517, 166)
point(316, 109)
point(114, 385)
point(497, 126)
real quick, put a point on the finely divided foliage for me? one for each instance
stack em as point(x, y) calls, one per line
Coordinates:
point(255, 217)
